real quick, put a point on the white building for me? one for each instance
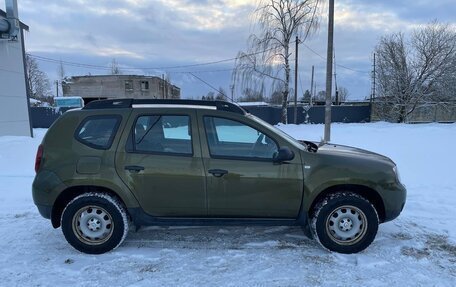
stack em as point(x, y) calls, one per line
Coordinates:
point(14, 102)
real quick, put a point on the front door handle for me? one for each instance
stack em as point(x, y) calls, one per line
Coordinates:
point(217, 172)
point(134, 168)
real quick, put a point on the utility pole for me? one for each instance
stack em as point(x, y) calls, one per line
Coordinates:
point(163, 81)
point(315, 90)
point(336, 101)
point(373, 82)
point(329, 62)
point(296, 84)
point(312, 85)
point(57, 88)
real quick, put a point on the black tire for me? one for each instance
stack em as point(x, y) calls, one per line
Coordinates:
point(344, 222)
point(95, 223)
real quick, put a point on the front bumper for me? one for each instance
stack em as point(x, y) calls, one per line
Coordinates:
point(394, 201)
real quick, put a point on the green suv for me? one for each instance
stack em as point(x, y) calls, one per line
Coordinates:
point(116, 163)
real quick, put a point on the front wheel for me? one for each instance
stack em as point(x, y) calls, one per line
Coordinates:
point(344, 222)
point(94, 223)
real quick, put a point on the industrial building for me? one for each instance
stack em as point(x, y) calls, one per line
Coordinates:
point(119, 86)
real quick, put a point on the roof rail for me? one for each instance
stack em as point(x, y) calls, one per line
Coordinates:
point(128, 103)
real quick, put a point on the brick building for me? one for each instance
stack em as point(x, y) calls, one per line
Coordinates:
point(119, 86)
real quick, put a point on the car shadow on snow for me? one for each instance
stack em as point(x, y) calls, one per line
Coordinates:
point(197, 237)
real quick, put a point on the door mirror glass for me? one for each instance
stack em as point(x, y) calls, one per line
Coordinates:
point(284, 154)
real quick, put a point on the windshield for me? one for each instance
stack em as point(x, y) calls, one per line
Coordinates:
point(277, 131)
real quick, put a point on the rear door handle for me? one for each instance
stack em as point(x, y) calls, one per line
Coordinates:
point(217, 172)
point(134, 168)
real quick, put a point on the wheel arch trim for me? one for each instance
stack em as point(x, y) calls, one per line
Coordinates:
point(71, 192)
point(367, 192)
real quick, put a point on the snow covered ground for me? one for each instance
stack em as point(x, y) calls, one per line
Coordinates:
point(417, 249)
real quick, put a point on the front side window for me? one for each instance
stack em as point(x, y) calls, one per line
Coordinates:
point(98, 131)
point(163, 134)
point(228, 138)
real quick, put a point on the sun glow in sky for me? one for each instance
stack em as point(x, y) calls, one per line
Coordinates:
point(164, 33)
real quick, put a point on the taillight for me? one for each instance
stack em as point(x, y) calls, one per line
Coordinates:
point(39, 158)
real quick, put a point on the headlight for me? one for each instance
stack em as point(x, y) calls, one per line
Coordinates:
point(396, 171)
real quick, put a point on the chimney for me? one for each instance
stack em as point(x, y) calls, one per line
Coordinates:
point(9, 27)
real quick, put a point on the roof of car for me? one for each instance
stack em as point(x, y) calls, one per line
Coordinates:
point(168, 103)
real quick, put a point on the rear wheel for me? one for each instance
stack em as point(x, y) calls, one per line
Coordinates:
point(94, 223)
point(344, 222)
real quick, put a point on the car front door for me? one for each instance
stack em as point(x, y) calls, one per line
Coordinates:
point(162, 163)
point(242, 179)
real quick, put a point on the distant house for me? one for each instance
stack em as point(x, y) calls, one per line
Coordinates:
point(119, 86)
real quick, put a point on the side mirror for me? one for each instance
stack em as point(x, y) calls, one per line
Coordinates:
point(284, 154)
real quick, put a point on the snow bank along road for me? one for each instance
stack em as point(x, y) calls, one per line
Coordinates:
point(417, 249)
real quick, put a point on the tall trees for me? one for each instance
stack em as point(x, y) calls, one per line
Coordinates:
point(268, 56)
point(251, 95)
point(343, 94)
point(115, 69)
point(416, 71)
point(38, 81)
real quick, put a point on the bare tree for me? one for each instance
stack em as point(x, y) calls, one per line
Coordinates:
point(307, 96)
point(412, 73)
point(276, 98)
point(38, 81)
point(221, 94)
point(268, 56)
point(320, 96)
point(251, 95)
point(115, 69)
point(343, 94)
point(210, 96)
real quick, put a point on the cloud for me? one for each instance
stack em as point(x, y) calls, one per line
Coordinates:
point(161, 33)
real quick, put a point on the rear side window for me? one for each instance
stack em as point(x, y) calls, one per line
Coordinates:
point(163, 134)
point(98, 131)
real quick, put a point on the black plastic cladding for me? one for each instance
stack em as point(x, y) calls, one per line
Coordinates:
point(128, 103)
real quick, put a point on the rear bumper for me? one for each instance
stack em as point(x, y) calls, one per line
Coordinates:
point(45, 210)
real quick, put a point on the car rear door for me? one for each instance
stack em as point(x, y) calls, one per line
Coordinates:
point(161, 162)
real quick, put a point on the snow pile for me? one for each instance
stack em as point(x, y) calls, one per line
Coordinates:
point(418, 248)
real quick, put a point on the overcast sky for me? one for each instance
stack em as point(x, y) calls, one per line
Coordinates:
point(155, 34)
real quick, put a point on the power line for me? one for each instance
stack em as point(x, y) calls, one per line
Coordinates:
point(99, 67)
point(339, 65)
point(90, 66)
point(203, 71)
point(209, 85)
point(108, 68)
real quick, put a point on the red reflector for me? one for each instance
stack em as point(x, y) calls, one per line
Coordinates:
point(39, 157)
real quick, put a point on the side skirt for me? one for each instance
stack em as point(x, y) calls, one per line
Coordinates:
point(140, 218)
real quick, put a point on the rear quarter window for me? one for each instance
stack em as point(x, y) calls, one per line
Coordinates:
point(98, 131)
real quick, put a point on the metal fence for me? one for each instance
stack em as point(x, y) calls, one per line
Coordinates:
point(43, 117)
point(314, 114)
point(428, 112)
